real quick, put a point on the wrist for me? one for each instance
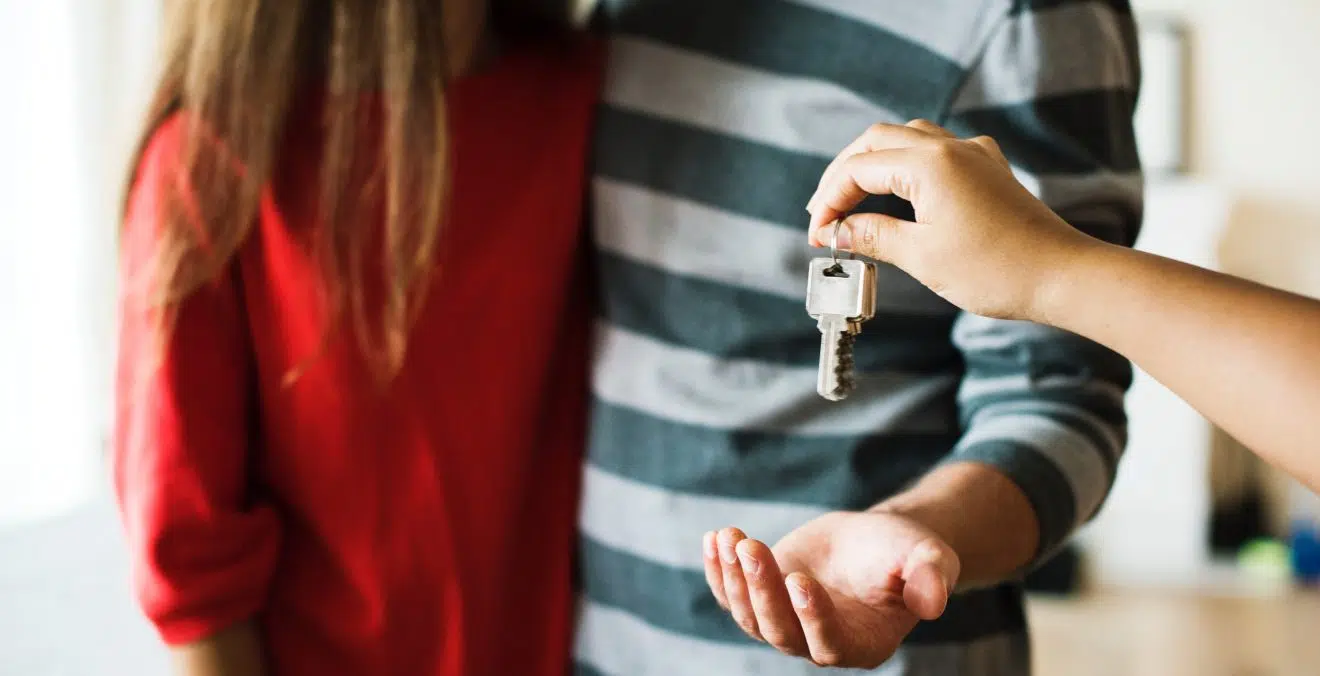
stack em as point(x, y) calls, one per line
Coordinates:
point(978, 512)
point(1063, 278)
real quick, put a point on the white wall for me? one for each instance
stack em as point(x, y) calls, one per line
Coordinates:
point(47, 425)
point(75, 73)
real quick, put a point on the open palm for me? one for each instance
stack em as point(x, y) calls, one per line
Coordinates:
point(844, 589)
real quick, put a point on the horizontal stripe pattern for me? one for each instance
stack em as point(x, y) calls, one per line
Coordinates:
point(1021, 6)
point(1107, 433)
point(797, 114)
point(695, 240)
point(693, 387)
point(1097, 394)
point(1106, 205)
point(610, 641)
point(951, 28)
point(751, 179)
point(613, 641)
point(718, 119)
point(1047, 40)
point(842, 471)
point(770, 329)
point(998, 348)
point(1072, 134)
point(887, 69)
point(1047, 488)
point(1076, 458)
point(678, 600)
point(665, 526)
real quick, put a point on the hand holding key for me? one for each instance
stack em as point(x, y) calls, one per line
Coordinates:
point(980, 239)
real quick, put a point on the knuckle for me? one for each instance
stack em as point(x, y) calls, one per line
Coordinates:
point(945, 150)
point(867, 237)
point(987, 146)
point(878, 129)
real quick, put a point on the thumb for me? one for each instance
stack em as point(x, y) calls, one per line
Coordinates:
point(929, 576)
point(877, 236)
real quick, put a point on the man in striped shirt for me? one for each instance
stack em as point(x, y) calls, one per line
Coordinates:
point(718, 118)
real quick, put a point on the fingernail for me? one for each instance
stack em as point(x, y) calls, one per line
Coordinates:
point(726, 552)
point(749, 563)
point(708, 544)
point(925, 553)
point(798, 594)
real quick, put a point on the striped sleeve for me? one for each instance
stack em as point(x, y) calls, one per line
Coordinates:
point(1056, 86)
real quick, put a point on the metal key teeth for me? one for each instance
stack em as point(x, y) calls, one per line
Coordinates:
point(843, 365)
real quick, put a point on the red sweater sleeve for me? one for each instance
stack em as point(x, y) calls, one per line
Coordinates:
point(203, 550)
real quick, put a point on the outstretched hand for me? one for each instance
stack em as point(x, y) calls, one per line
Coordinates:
point(842, 590)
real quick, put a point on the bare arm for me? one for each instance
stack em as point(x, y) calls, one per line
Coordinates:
point(1245, 355)
point(233, 652)
point(979, 512)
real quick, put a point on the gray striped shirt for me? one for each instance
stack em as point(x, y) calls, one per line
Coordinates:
point(718, 118)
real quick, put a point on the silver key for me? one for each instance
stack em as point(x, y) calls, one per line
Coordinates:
point(840, 296)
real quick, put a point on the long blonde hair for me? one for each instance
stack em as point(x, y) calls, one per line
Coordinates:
point(234, 68)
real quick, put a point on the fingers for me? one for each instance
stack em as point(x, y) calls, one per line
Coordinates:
point(735, 585)
point(929, 576)
point(874, 235)
point(820, 624)
point(775, 618)
point(714, 572)
point(876, 137)
point(876, 172)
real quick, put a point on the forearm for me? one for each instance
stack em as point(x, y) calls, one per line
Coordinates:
point(1244, 355)
point(233, 652)
point(980, 513)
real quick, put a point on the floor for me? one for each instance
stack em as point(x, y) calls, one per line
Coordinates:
point(1171, 634)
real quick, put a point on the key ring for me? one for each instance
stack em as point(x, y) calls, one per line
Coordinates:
point(834, 243)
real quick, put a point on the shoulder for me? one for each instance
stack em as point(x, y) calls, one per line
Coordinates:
point(160, 154)
point(165, 149)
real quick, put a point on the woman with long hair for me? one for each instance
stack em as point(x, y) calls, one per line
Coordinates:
point(351, 388)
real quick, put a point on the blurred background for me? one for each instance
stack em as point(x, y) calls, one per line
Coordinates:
point(1187, 570)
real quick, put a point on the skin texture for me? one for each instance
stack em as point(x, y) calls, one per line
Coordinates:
point(1245, 355)
point(846, 588)
point(236, 650)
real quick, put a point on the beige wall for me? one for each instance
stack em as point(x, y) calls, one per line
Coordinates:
point(1254, 128)
point(1253, 112)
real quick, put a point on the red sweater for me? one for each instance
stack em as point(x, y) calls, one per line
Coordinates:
point(424, 530)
